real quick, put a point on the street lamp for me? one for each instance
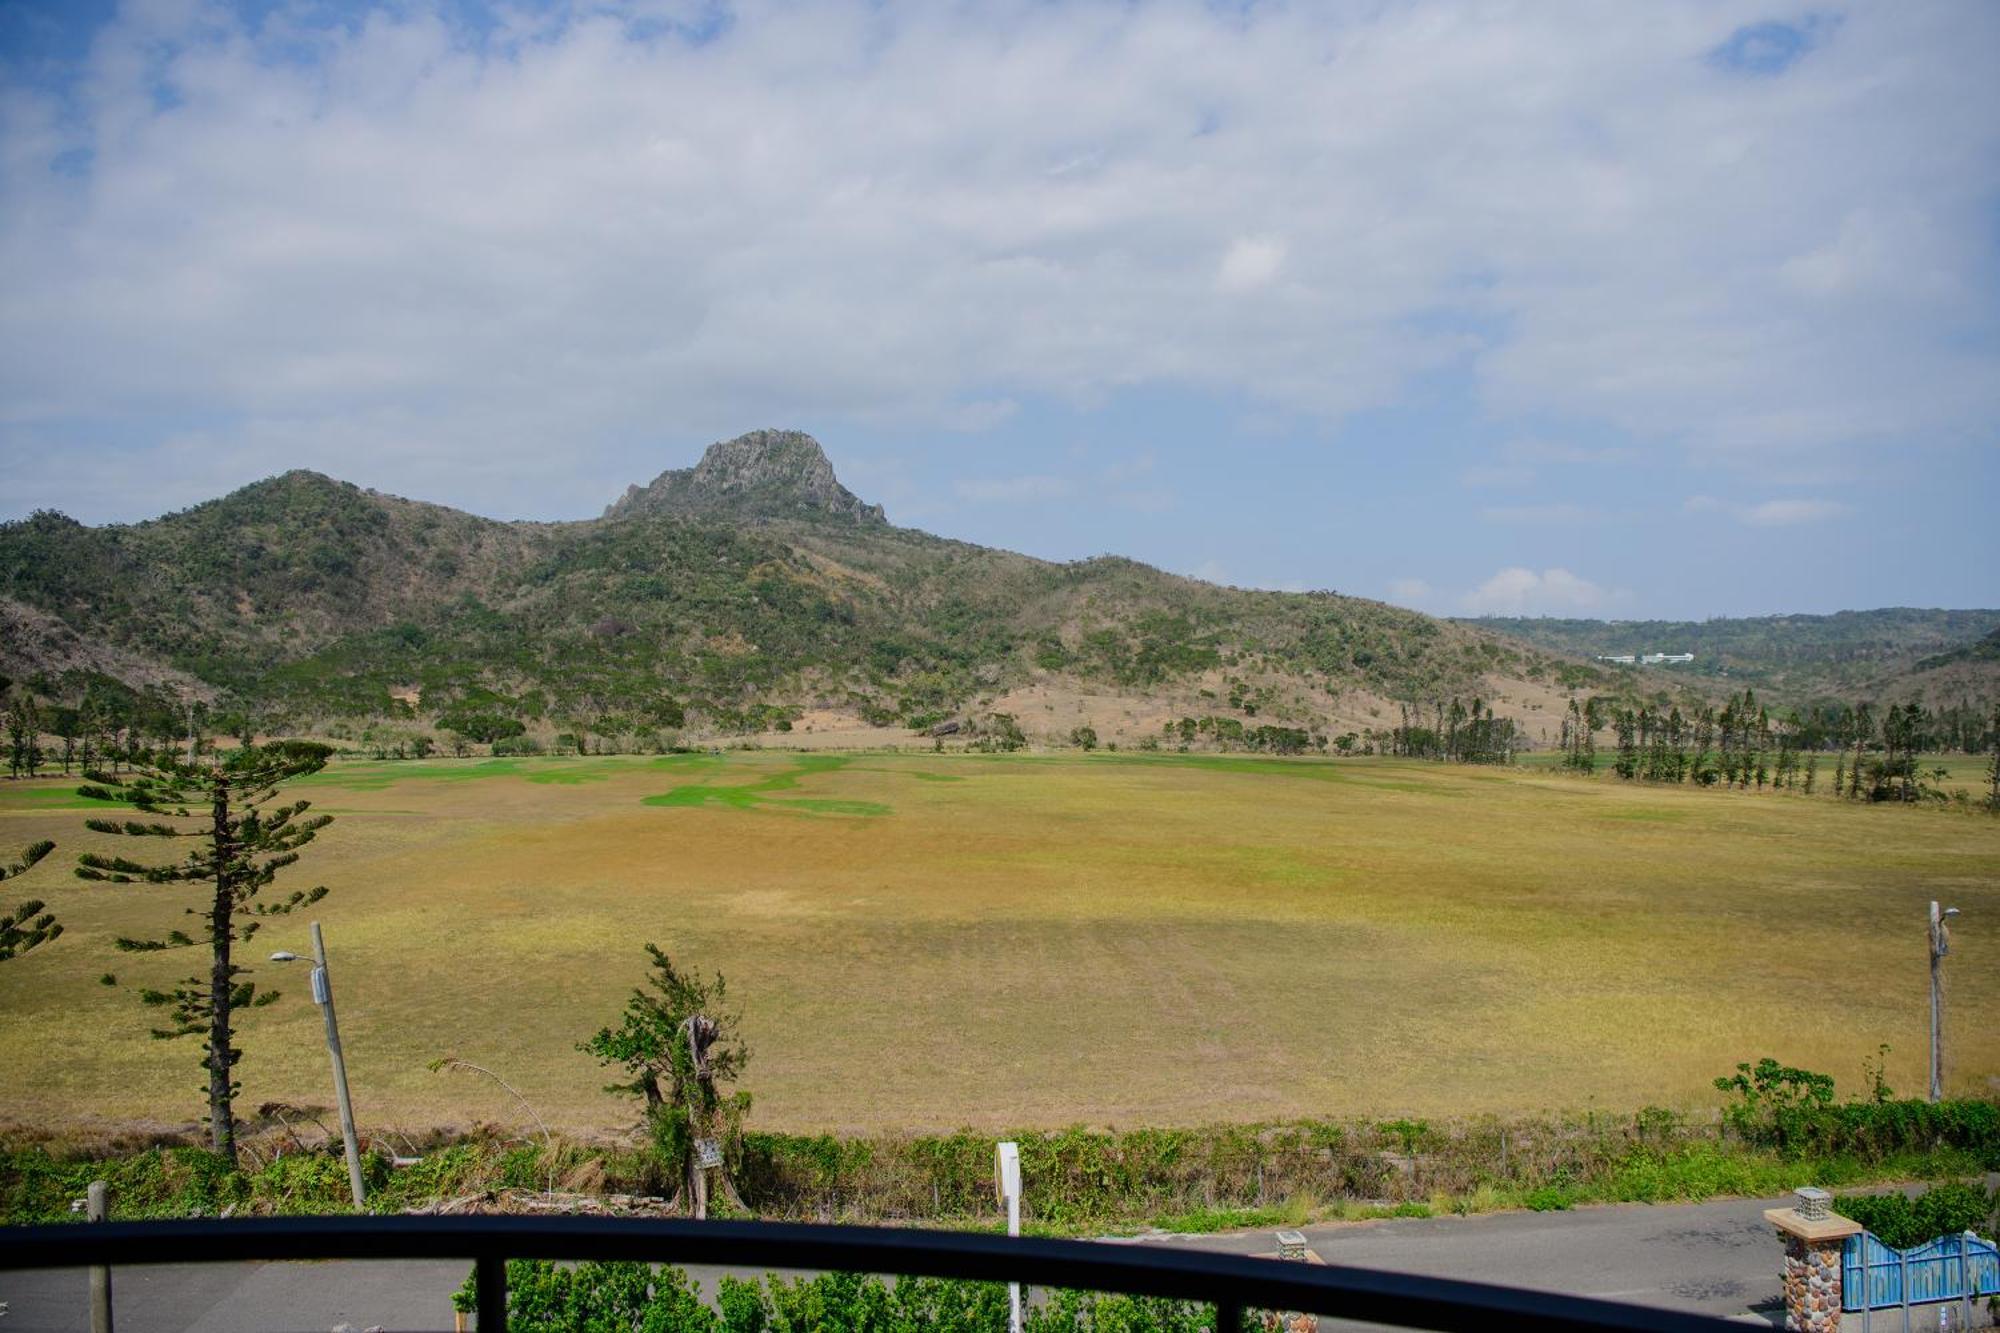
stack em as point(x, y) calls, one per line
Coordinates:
point(322, 993)
point(1940, 946)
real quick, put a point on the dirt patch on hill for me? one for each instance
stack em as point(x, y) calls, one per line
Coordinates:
point(34, 642)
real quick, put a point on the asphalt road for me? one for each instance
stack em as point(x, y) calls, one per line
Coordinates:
point(1717, 1258)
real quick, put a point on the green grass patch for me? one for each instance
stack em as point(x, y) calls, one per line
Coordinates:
point(757, 795)
point(37, 796)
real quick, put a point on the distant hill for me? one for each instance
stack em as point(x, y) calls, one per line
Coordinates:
point(1901, 650)
point(743, 593)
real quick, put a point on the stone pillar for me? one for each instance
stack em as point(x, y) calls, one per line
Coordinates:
point(1812, 1266)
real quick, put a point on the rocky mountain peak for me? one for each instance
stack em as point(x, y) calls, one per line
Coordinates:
point(764, 474)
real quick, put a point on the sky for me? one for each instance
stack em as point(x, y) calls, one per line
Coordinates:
point(1550, 309)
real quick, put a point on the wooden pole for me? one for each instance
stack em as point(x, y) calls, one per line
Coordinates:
point(100, 1275)
point(323, 992)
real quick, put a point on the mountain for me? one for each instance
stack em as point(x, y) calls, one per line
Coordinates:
point(765, 474)
point(748, 592)
point(1848, 655)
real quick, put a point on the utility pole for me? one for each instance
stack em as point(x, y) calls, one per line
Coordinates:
point(1940, 940)
point(323, 996)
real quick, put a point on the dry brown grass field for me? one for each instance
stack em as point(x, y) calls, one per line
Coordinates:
point(961, 940)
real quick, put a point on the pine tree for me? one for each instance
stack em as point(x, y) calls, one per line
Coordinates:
point(242, 841)
point(1627, 765)
point(27, 925)
point(24, 736)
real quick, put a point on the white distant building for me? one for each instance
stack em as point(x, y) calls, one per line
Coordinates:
point(1646, 659)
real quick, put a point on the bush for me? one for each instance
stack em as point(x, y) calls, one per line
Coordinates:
point(1900, 1222)
point(483, 727)
point(614, 1297)
point(1793, 1111)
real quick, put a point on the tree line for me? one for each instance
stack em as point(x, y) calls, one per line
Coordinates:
point(109, 731)
point(1876, 752)
point(1455, 733)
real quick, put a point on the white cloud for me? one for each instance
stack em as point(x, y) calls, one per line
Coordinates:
point(1210, 571)
point(1547, 515)
point(1770, 513)
point(523, 252)
point(982, 415)
point(1515, 591)
point(1144, 500)
point(1550, 451)
point(1778, 513)
point(1487, 477)
point(1250, 263)
point(1408, 590)
point(1034, 488)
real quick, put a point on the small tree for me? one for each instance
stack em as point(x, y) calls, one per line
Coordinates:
point(1084, 738)
point(679, 1042)
point(27, 925)
point(241, 843)
point(24, 736)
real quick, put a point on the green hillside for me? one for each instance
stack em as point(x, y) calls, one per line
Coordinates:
point(1801, 657)
point(726, 597)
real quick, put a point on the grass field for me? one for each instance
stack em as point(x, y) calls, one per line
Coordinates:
point(943, 941)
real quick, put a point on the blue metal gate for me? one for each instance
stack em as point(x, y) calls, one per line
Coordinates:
point(1950, 1268)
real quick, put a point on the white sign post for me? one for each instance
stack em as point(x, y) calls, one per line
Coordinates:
point(1007, 1185)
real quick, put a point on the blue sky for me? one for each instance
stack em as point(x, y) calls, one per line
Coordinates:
point(1565, 309)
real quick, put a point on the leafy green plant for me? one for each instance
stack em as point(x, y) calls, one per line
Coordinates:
point(1900, 1221)
point(1774, 1102)
point(679, 1042)
point(27, 925)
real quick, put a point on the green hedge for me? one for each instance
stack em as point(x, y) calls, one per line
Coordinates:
point(1900, 1221)
point(592, 1297)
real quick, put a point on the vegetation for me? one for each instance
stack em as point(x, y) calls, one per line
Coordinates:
point(1878, 755)
point(1804, 657)
point(301, 604)
point(1900, 1221)
point(1227, 733)
point(241, 842)
point(1456, 734)
point(1082, 1181)
point(27, 925)
point(611, 1297)
point(678, 1041)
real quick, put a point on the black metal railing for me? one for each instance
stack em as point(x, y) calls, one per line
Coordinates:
point(1231, 1283)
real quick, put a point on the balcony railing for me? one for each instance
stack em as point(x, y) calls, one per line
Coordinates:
point(1231, 1283)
